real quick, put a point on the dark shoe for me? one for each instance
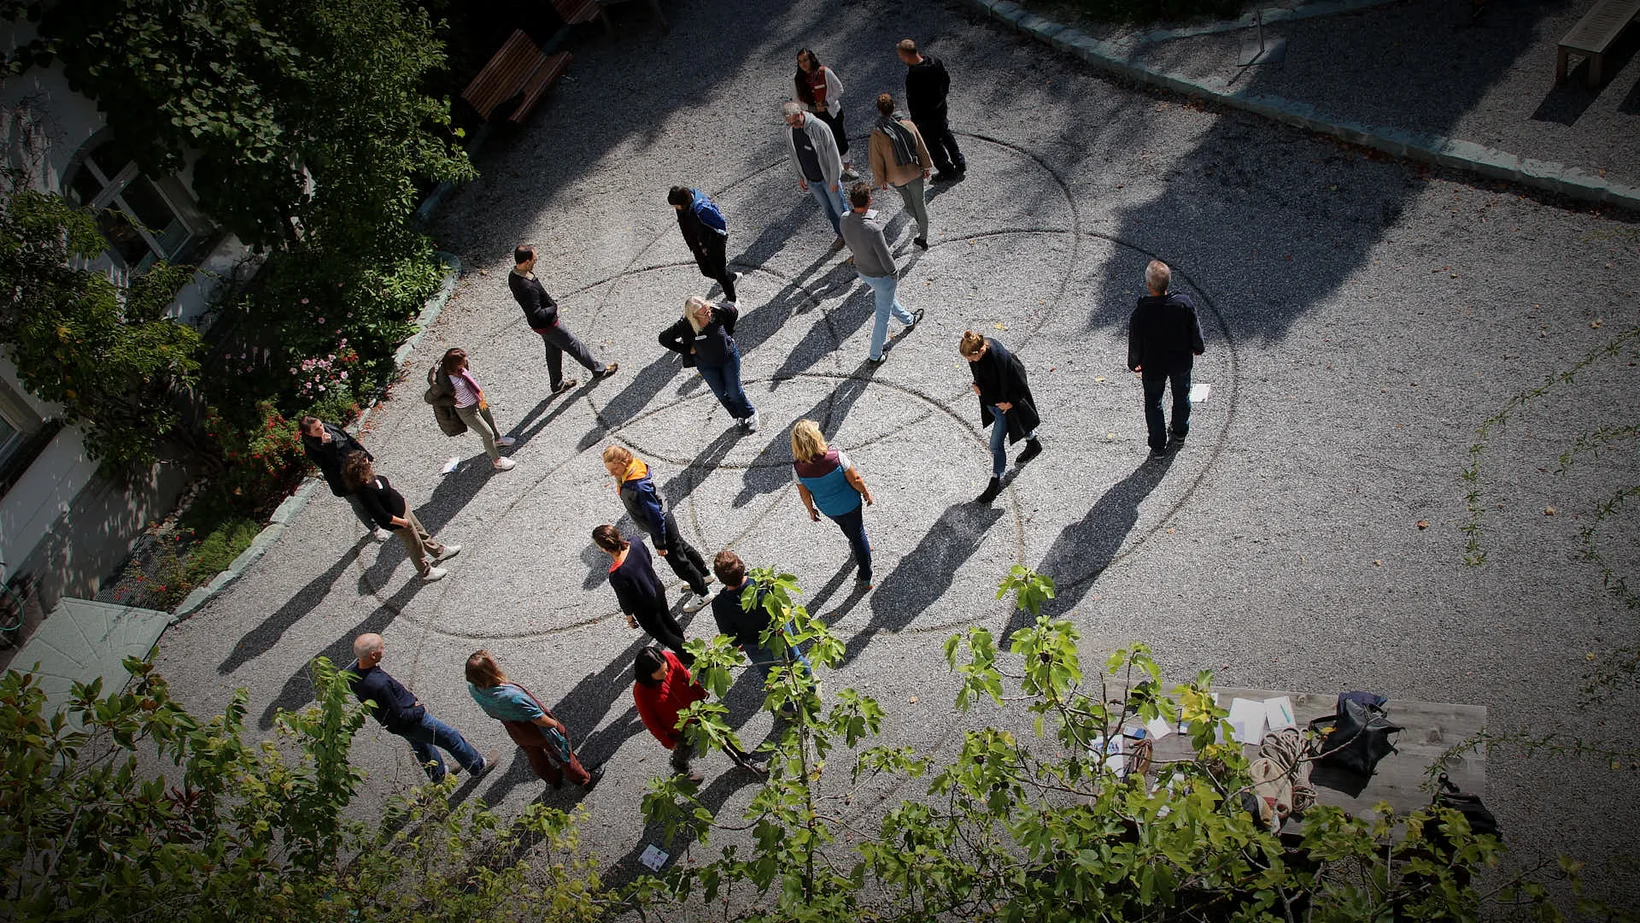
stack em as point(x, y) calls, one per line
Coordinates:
point(609, 370)
point(959, 174)
point(916, 318)
point(921, 242)
point(1158, 453)
point(597, 774)
point(567, 384)
point(839, 243)
point(1175, 441)
point(879, 360)
point(1033, 448)
point(991, 491)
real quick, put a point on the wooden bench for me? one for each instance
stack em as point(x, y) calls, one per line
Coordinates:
point(1593, 35)
point(517, 67)
point(576, 12)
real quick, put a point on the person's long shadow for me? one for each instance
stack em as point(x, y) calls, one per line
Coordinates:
point(771, 470)
point(680, 485)
point(926, 572)
point(1085, 548)
point(817, 603)
point(828, 331)
point(449, 497)
point(298, 690)
point(263, 637)
point(529, 426)
point(632, 399)
point(774, 235)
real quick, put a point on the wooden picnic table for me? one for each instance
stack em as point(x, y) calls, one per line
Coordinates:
point(1593, 35)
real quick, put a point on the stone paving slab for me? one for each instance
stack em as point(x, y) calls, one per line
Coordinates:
point(82, 641)
point(1362, 316)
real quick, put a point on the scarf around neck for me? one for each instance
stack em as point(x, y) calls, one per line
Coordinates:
point(905, 146)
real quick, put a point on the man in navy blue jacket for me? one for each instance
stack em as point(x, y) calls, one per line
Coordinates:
point(1164, 337)
point(401, 713)
point(707, 234)
point(643, 504)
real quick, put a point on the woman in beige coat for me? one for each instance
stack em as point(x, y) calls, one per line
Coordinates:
point(899, 158)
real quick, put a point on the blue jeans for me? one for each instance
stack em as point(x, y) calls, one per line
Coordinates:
point(1154, 421)
point(853, 524)
point(999, 441)
point(432, 732)
point(883, 287)
point(831, 203)
point(724, 380)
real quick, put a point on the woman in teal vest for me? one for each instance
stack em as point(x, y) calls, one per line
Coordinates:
point(829, 483)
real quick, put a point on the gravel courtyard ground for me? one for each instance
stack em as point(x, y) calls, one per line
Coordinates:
point(1362, 318)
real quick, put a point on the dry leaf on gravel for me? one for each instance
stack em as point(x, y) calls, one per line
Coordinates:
point(1423, 523)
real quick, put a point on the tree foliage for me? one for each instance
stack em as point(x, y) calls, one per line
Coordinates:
point(234, 830)
point(110, 357)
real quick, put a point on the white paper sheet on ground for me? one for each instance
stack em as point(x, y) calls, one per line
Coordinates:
point(1278, 713)
point(653, 857)
point(1247, 720)
point(1158, 727)
point(1200, 391)
point(1114, 752)
point(452, 464)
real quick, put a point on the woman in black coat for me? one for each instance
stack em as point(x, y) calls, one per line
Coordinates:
point(1005, 404)
point(704, 336)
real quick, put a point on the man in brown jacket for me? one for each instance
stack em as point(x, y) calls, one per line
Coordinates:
point(899, 158)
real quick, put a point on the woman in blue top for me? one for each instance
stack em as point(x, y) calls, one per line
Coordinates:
point(704, 336)
point(543, 738)
point(829, 483)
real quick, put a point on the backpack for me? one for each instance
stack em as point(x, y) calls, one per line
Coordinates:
point(707, 212)
point(1281, 779)
point(1360, 736)
point(1481, 820)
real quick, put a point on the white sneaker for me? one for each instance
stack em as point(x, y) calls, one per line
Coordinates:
point(449, 552)
point(736, 277)
point(505, 464)
point(696, 603)
point(435, 573)
point(752, 422)
point(380, 534)
point(505, 441)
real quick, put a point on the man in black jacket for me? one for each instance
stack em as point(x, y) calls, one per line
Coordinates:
point(542, 314)
point(326, 444)
point(1164, 337)
point(399, 711)
point(926, 85)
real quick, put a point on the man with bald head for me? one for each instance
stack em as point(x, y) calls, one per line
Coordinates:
point(399, 711)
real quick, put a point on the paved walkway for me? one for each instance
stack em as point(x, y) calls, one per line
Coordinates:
point(1362, 316)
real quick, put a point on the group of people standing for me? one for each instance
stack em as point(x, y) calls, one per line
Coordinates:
point(1164, 336)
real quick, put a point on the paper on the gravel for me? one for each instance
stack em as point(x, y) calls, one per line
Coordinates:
point(452, 464)
point(1200, 391)
point(1158, 728)
point(1279, 713)
point(1247, 720)
point(653, 857)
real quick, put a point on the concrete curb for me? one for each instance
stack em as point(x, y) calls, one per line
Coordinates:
point(1271, 16)
point(298, 500)
point(1439, 150)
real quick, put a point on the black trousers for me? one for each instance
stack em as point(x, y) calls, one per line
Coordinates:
point(713, 260)
point(661, 626)
point(839, 132)
point(942, 145)
point(559, 341)
point(1155, 423)
point(685, 561)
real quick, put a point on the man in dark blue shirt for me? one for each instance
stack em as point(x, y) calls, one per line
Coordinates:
point(745, 626)
point(399, 712)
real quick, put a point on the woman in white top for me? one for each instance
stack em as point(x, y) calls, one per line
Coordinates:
point(820, 92)
point(473, 408)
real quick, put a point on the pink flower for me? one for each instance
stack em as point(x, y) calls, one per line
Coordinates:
point(304, 301)
point(321, 320)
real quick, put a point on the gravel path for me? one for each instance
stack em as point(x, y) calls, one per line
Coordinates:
point(1362, 317)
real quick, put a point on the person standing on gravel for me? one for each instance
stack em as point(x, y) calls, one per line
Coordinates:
point(1005, 404)
point(401, 713)
point(1164, 339)
point(745, 626)
point(828, 482)
point(704, 336)
point(451, 384)
point(662, 690)
point(900, 158)
point(707, 233)
point(541, 312)
point(819, 168)
point(643, 504)
point(820, 92)
point(926, 86)
point(388, 507)
point(543, 738)
point(639, 590)
point(326, 444)
point(875, 265)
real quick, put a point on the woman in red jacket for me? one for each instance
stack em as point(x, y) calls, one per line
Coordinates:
point(663, 690)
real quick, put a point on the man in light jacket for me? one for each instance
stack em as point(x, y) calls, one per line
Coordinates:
point(875, 265)
point(899, 158)
point(818, 165)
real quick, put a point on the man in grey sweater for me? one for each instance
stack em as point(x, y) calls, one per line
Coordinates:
point(864, 235)
point(818, 165)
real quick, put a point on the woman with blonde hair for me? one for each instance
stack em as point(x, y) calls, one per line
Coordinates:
point(704, 337)
point(829, 483)
point(543, 738)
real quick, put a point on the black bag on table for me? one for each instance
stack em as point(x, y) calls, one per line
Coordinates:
point(1361, 734)
point(1481, 820)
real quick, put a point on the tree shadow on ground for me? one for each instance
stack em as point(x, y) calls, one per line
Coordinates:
point(265, 636)
point(713, 797)
point(1085, 548)
point(926, 572)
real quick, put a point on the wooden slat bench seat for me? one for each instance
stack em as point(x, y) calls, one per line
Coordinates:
point(518, 66)
point(1593, 36)
point(576, 12)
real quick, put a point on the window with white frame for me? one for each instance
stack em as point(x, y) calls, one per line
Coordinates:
point(144, 220)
